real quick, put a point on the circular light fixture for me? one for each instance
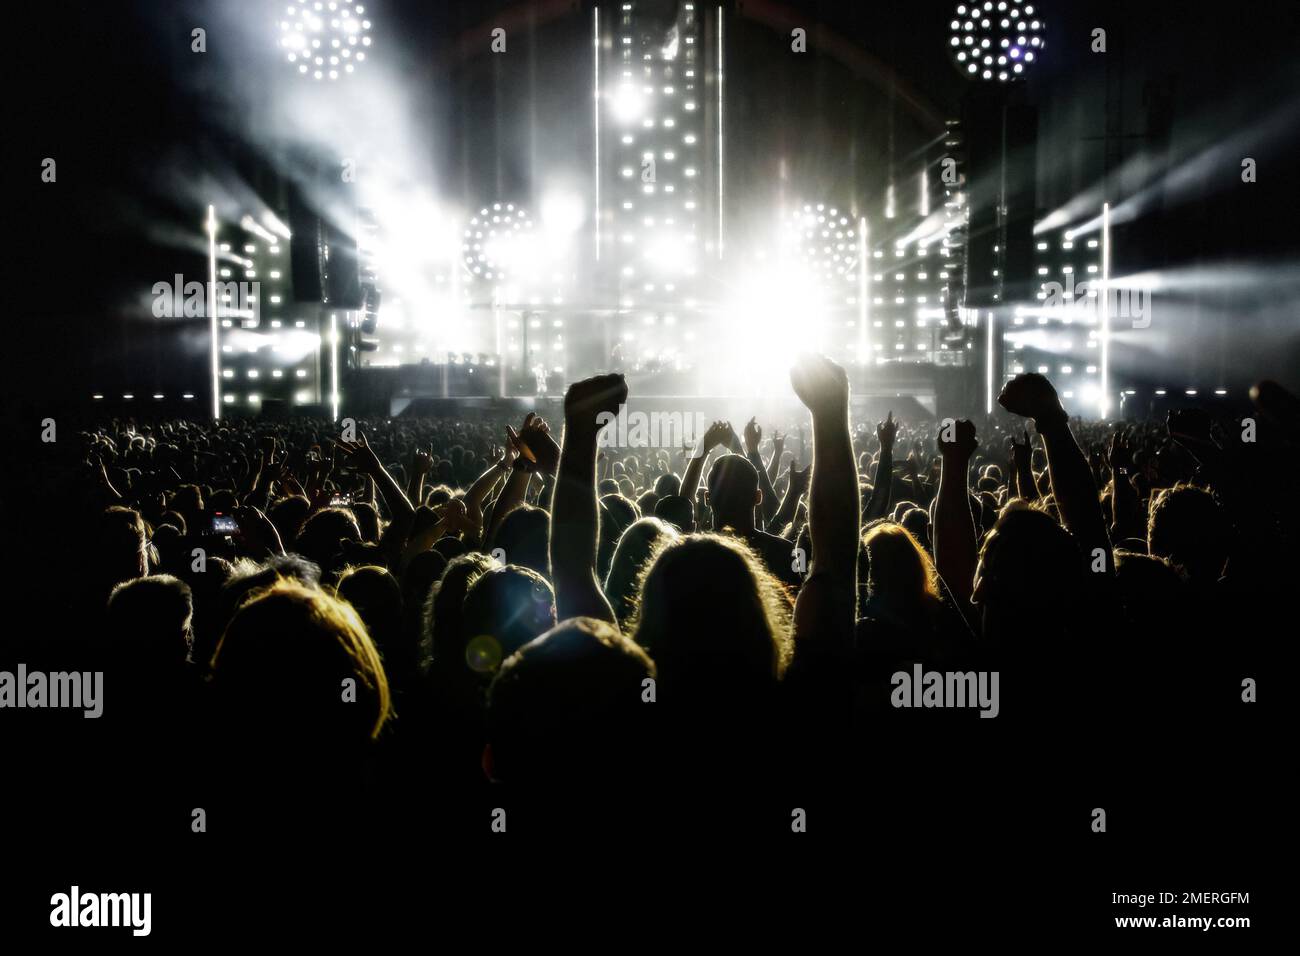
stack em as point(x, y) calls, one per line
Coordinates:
point(995, 40)
point(826, 239)
point(497, 241)
point(325, 39)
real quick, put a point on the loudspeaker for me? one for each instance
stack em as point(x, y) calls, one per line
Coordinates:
point(342, 266)
point(304, 247)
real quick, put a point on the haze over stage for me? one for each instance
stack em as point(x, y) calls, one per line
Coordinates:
point(493, 199)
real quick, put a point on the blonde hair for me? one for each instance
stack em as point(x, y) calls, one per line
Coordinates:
point(896, 561)
point(282, 624)
point(771, 608)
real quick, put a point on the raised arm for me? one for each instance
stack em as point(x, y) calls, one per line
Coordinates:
point(483, 485)
point(753, 439)
point(826, 609)
point(1033, 396)
point(774, 463)
point(695, 467)
point(368, 462)
point(1022, 459)
point(1126, 512)
point(955, 544)
point(883, 486)
point(574, 512)
point(795, 488)
point(421, 465)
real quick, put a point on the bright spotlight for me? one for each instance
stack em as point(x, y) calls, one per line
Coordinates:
point(563, 213)
point(826, 239)
point(627, 103)
point(325, 40)
point(498, 241)
point(669, 254)
point(995, 41)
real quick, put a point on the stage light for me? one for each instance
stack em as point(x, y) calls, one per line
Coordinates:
point(976, 38)
point(496, 241)
point(627, 103)
point(825, 239)
point(323, 40)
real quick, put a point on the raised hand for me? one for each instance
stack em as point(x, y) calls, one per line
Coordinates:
point(358, 453)
point(799, 478)
point(585, 401)
point(1021, 452)
point(957, 440)
point(1031, 395)
point(257, 533)
point(886, 430)
point(716, 434)
point(821, 385)
point(422, 462)
point(753, 436)
point(778, 444)
point(537, 450)
point(1119, 456)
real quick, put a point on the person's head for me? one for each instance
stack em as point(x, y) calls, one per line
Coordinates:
point(1186, 526)
point(367, 520)
point(616, 515)
point(676, 510)
point(377, 597)
point(444, 616)
point(322, 534)
point(171, 548)
point(917, 523)
point(1030, 576)
point(288, 514)
point(176, 520)
point(295, 666)
point(149, 623)
point(714, 620)
point(123, 551)
point(524, 535)
point(634, 548)
point(439, 495)
point(734, 493)
point(188, 500)
point(668, 484)
point(245, 577)
point(569, 705)
point(505, 608)
point(899, 570)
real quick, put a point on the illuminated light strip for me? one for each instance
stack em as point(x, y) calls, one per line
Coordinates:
point(334, 364)
point(988, 369)
point(212, 312)
point(720, 134)
point(864, 290)
point(595, 58)
point(1105, 310)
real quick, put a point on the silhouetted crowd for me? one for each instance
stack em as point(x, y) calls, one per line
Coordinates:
point(397, 611)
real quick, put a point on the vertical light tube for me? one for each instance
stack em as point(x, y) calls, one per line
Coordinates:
point(721, 151)
point(989, 363)
point(1105, 309)
point(213, 326)
point(864, 293)
point(595, 98)
point(334, 365)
